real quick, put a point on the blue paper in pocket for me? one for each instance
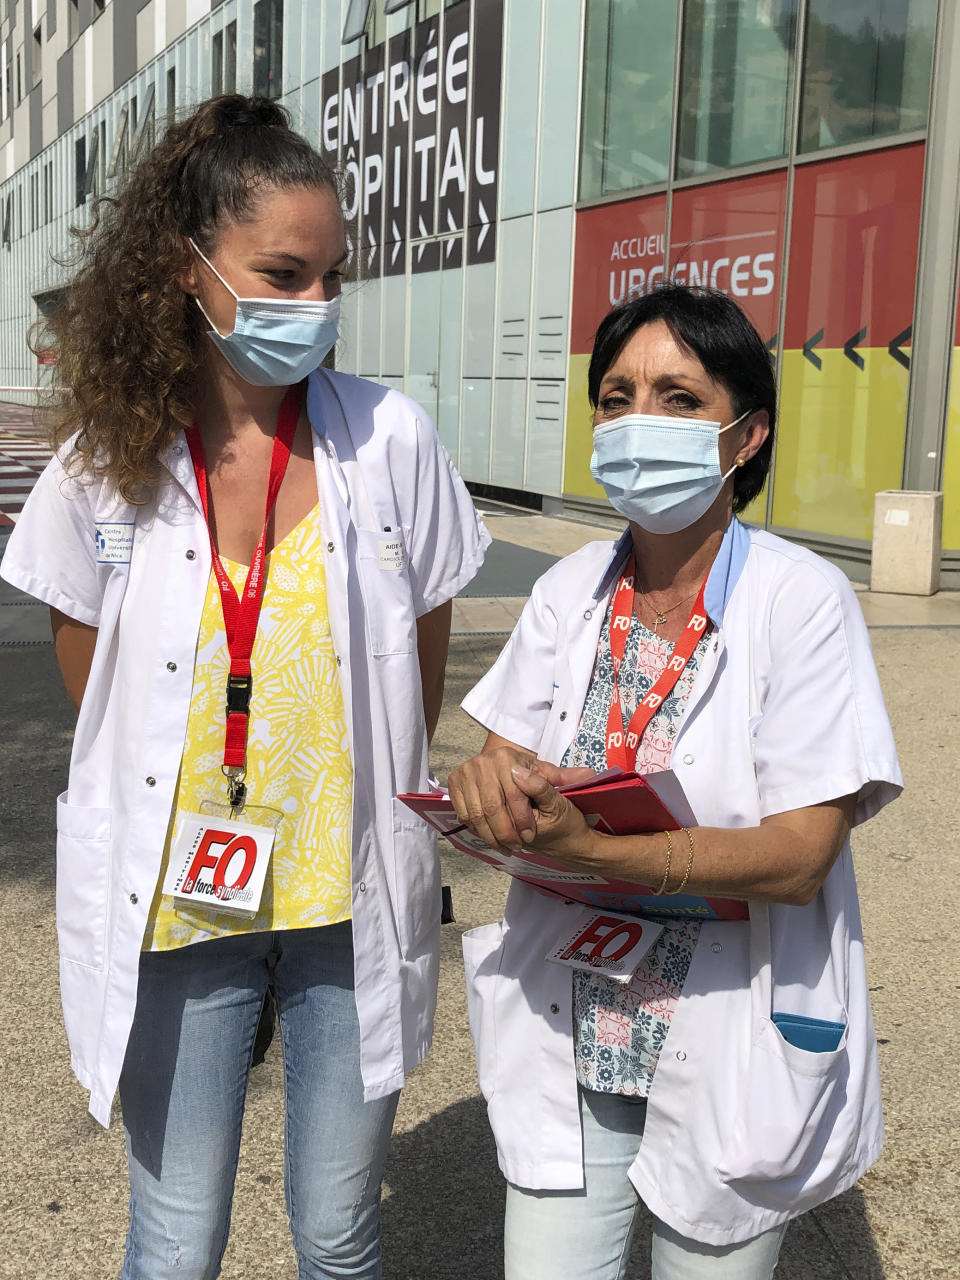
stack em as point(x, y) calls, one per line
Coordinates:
point(813, 1034)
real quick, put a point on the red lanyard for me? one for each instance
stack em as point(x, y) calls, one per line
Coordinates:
point(241, 614)
point(622, 747)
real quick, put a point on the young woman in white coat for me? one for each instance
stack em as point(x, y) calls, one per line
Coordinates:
point(731, 1082)
point(250, 563)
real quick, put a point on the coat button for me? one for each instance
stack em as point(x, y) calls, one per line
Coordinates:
point(554, 1008)
point(191, 555)
point(178, 449)
point(339, 663)
point(329, 546)
point(716, 948)
point(681, 1056)
point(587, 614)
point(363, 886)
point(688, 758)
point(134, 899)
point(563, 715)
point(171, 666)
point(151, 782)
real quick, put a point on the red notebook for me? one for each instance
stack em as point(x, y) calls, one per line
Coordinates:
point(618, 803)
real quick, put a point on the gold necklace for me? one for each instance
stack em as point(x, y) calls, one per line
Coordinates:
point(661, 614)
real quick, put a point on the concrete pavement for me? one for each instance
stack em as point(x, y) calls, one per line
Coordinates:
point(62, 1182)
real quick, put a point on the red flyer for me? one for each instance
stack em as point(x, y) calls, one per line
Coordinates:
point(617, 803)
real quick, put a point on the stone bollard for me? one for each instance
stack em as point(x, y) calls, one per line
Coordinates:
point(906, 542)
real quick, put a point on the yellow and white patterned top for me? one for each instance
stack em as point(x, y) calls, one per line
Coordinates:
point(298, 760)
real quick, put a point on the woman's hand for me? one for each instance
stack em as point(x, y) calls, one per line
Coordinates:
point(562, 832)
point(486, 796)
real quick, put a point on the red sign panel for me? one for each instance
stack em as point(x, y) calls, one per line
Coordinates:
point(620, 253)
point(729, 236)
point(853, 252)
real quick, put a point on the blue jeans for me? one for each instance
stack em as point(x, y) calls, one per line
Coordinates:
point(183, 1087)
point(591, 1230)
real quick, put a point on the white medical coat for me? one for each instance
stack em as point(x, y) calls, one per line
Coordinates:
point(379, 466)
point(743, 1130)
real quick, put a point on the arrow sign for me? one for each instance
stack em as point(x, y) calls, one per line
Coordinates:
point(896, 343)
point(452, 226)
point(373, 247)
point(485, 225)
point(809, 352)
point(772, 344)
point(848, 348)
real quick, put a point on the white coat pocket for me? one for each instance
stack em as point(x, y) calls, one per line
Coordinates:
point(417, 878)
point(83, 879)
point(786, 1114)
point(387, 593)
point(482, 954)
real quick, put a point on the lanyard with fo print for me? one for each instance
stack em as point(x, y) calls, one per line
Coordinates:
point(241, 614)
point(622, 746)
point(221, 864)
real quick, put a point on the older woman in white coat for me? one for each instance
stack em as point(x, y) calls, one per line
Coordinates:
point(731, 1082)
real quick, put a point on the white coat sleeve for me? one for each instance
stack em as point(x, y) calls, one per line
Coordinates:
point(823, 730)
point(51, 553)
point(515, 696)
point(446, 539)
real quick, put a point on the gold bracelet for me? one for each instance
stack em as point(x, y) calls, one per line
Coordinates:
point(666, 874)
point(686, 875)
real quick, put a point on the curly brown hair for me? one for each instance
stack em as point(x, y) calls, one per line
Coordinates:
point(129, 340)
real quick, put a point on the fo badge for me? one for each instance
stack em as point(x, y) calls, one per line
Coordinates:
point(605, 943)
point(220, 866)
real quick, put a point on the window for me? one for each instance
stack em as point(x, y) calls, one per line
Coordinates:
point(34, 201)
point(98, 8)
point(19, 78)
point(867, 70)
point(627, 95)
point(268, 48)
point(376, 26)
point(216, 64)
point(230, 58)
point(73, 20)
point(80, 170)
point(171, 95)
point(736, 75)
point(223, 60)
point(48, 192)
point(36, 55)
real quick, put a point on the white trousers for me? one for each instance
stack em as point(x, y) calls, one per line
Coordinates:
point(585, 1235)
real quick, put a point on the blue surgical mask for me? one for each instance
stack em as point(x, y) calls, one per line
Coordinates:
point(661, 473)
point(275, 342)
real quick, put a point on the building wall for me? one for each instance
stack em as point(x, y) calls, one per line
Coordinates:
point(817, 239)
point(462, 245)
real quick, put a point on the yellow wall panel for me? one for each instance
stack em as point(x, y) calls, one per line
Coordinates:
point(841, 438)
point(577, 480)
point(951, 463)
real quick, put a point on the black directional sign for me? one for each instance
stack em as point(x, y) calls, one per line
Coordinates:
point(850, 344)
point(895, 345)
point(809, 352)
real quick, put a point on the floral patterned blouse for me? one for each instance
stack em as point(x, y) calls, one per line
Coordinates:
point(619, 1026)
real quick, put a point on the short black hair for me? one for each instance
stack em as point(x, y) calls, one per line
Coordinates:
point(712, 327)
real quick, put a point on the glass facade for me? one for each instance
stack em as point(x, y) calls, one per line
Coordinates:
point(628, 78)
point(821, 253)
point(268, 48)
point(867, 70)
point(736, 83)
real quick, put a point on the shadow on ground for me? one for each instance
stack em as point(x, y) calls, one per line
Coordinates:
point(443, 1212)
